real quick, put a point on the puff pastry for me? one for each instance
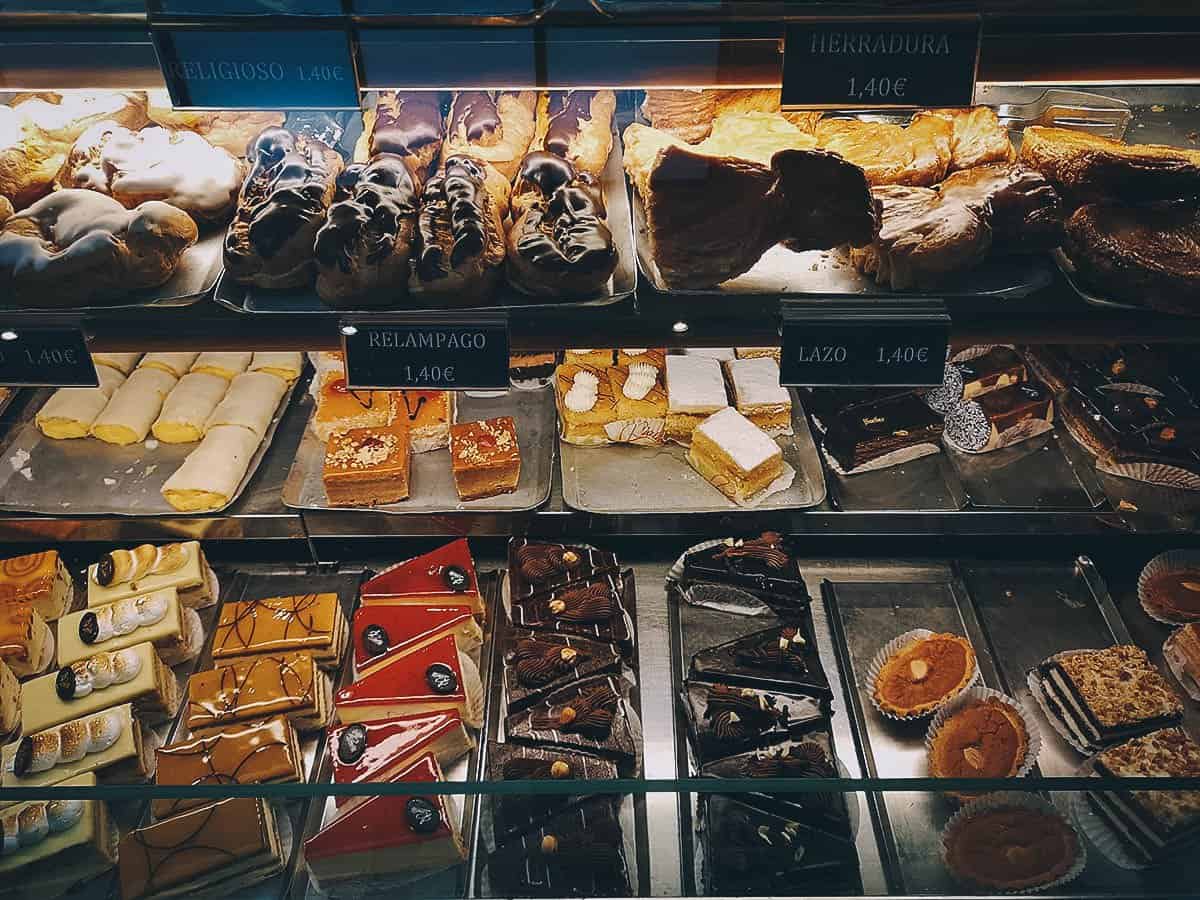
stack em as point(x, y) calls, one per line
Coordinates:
point(250, 403)
point(209, 477)
point(229, 129)
point(225, 364)
point(70, 412)
point(187, 408)
point(917, 155)
point(122, 362)
point(133, 408)
point(577, 125)
point(176, 364)
point(285, 364)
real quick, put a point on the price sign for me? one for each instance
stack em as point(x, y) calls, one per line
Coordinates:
point(45, 357)
point(257, 67)
point(428, 354)
point(864, 346)
point(854, 62)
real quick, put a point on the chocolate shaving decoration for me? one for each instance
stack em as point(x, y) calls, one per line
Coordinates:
point(589, 605)
point(806, 760)
point(767, 549)
point(520, 768)
point(539, 663)
point(780, 654)
point(590, 714)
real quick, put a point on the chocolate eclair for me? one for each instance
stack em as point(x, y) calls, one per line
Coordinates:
point(577, 126)
point(406, 123)
point(460, 232)
point(364, 247)
point(281, 206)
point(559, 243)
point(492, 126)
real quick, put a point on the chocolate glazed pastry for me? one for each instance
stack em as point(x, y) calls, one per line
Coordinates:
point(494, 127)
point(407, 123)
point(1024, 210)
point(364, 247)
point(460, 232)
point(560, 243)
point(282, 205)
point(577, 126)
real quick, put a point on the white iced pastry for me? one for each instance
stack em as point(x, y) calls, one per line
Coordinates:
point(209, 477)
point(121, 362)
point(69, 743)
point(695, 385)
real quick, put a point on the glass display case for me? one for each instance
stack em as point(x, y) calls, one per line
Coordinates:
point(857, 558)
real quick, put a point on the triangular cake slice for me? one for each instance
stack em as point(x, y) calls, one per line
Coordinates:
point(389, 834)
point(433, 679)
point(382, 633)
point(444, 575)
point(377, 751)
point(780, 658)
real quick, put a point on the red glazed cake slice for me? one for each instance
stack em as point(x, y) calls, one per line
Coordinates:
point(389, 834)
point(433, 679)
point(382, 633)
point(444, 575)
point(378, 751)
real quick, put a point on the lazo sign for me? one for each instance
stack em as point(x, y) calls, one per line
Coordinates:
point(430, 353)
point(257, 68)
point(856, 63)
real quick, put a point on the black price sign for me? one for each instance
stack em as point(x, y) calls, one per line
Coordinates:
point(864, 346)
point(257, 67)
point(45, 357)
point(854, 62)
point(427, 354)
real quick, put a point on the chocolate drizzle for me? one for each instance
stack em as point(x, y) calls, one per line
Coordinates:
point(456, 196)
point(539, 663)
point(591, 604)
point(590, 714)
point(768, 549)
point(409, 411)
point(380, 197)
point(566, 109)
point(526, 768)
point(474, 113)
point(806, 760)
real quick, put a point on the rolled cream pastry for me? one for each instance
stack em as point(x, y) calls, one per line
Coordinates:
point(227, 365)
point(70, 412)
point(251, 402)
point(122, 362)
point(209, 477)
point(133, 408)
point(176, 364)
point(285, 364)
point(188, 407)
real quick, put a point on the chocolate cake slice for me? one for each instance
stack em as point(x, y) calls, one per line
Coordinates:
point(882, 433)
point(539, 663)
point(578, 853)
point(588, 715)
point(1110, 695)
point(1000, 418)
point(726, 719)
point(537, 566)
point(784, 657)
point(1000, 367)
point(594, 608)
point(765, 565)
point(752, 851)
point(520, 762)
point(1154, 825)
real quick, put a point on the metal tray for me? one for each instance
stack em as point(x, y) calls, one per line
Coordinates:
point(194, 277)
point(694, 629)
point(780, 272)
point(89, 477)
point(301, 301)
point(1068, 271)
point(632, 812)
point(431, 481)
point(450, 882)
point(927, 483)
point(627, 479)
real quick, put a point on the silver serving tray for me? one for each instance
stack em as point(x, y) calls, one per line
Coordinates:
point(88, 477)
point(1068, 271)
point(249, 299)
point(627, 479)
point(430, 479)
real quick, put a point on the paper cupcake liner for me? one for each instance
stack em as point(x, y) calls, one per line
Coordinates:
point(1033, 679)
point(1189, 685)
point(1151, 473)
point(887, 461)
point(709, 595)
point(1005, 799)
point(1103, 838)
point(675, 573)
point(942, 398)
point(1162, 564)
point(1033, 734)
point(890, 649)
